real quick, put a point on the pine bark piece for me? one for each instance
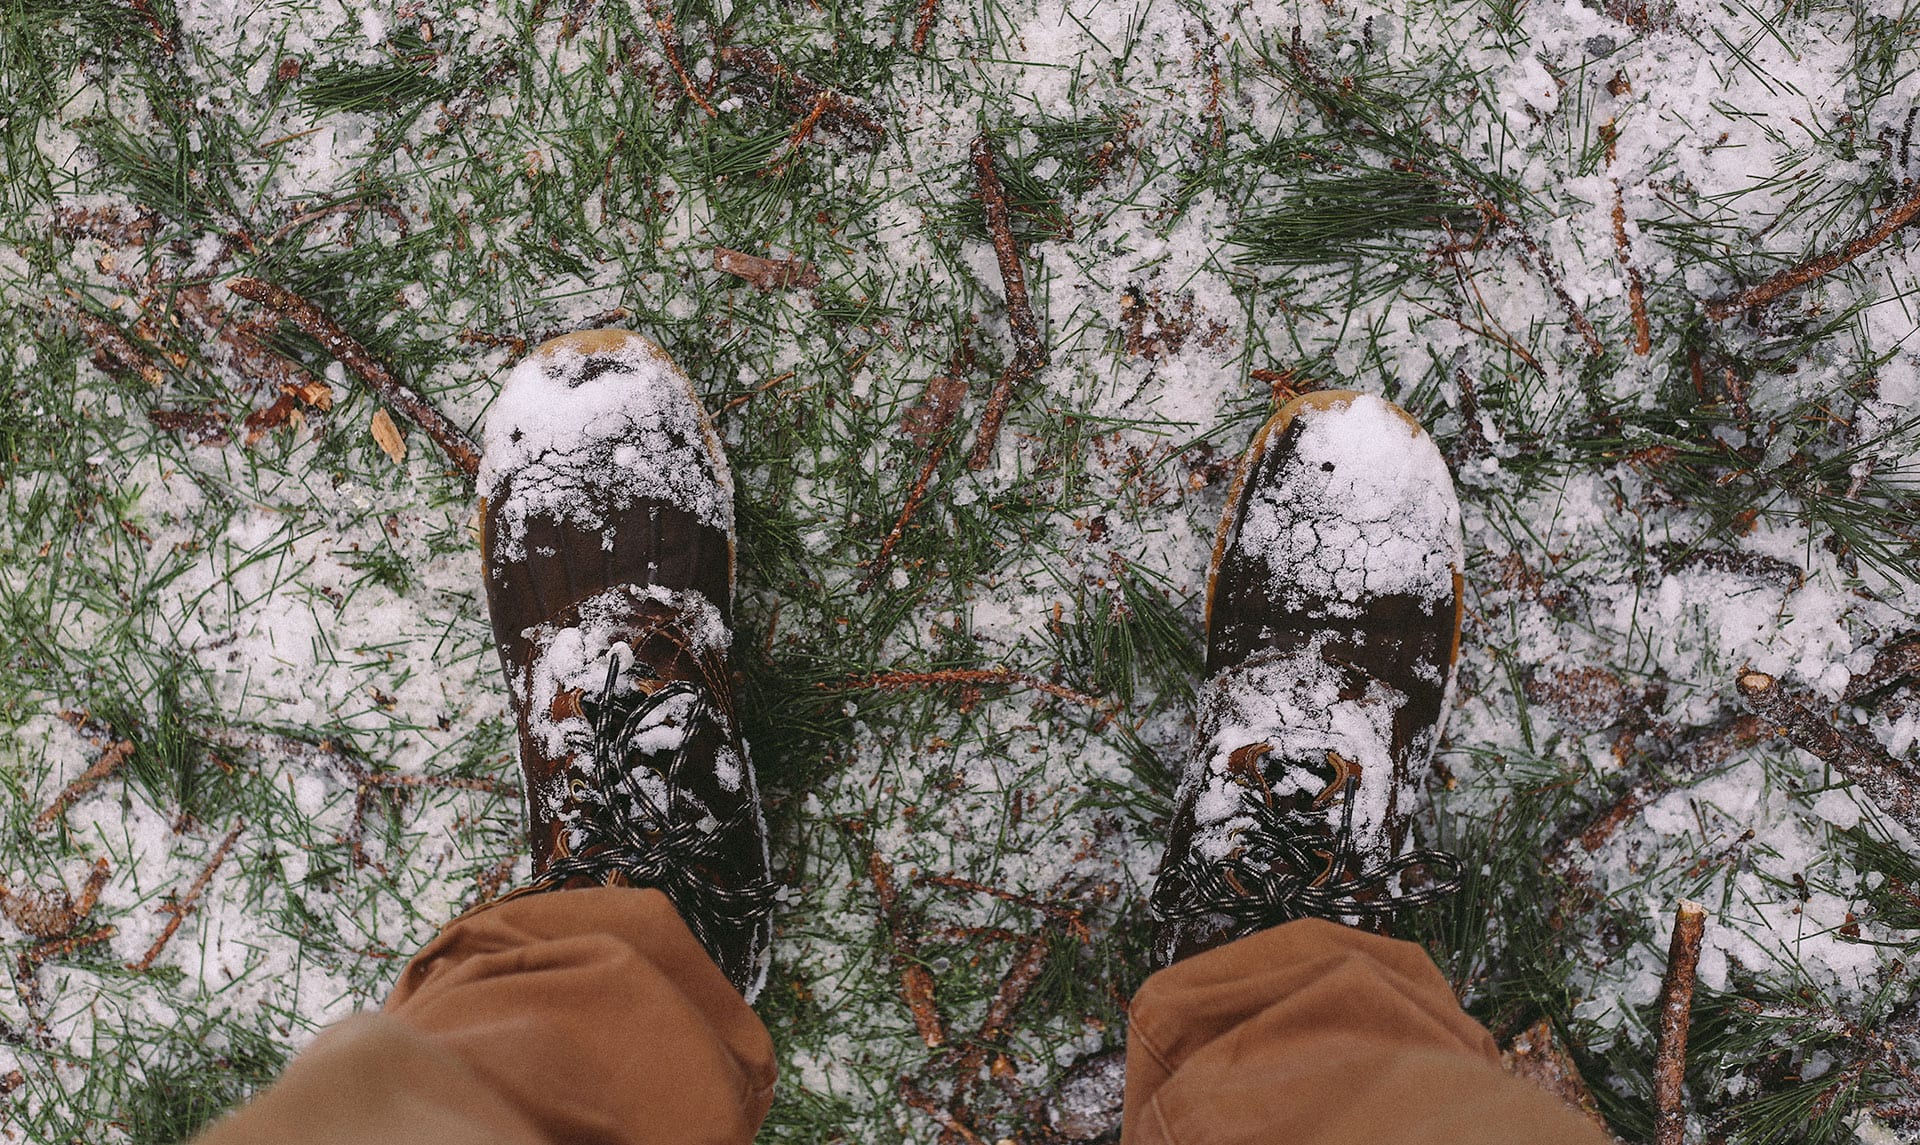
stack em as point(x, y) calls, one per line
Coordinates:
point(1860, 758)
point(766, 273)
point(459, 448)
point(1796, 277)
point(1029, 349)
point(1676, 1014)
point(387, 436)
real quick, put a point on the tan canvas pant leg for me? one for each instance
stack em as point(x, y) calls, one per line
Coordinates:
point(1318, 1034)
point(580, 1016)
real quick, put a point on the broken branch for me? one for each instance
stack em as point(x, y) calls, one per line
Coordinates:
point(110, 761)
point(180, 908)
point(1029, 349)
point(971, 677)
point(1859, 758)
point(1796, 277)
point(1676, 1014)
point(315, 323)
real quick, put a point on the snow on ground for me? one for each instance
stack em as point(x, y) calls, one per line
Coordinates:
point(311, 593)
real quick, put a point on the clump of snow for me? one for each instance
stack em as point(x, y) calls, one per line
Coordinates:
point(575, 657)
point(573, 429)
point(1294, 702)
point(1362, 506)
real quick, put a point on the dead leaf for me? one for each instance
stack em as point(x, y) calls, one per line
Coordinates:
point(935, 410)
point(388, 436)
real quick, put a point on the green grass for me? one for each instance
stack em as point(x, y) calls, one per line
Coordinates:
point(1382, 199)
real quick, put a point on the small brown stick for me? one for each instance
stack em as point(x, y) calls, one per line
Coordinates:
point(1029, 349)
point(1636, 288)
point(61, 947)
point(1071, 917)
point(915, 1097)
point(515, 345)
point(766, 273)
point(1532, 255)
point(762, 388)
point(839, 111)
point(916, 981)
point(670, 47)
point(1796, 277)
point(1857, 757)
point(442, 782)
point(971, 677)
point(1676, 1014)
point(1899, 657)
point(803, 131)
point(110, 761)
point(312, 321)
point(1019, 979)
point(883, 560)
point(180, 908)
point(924, 25)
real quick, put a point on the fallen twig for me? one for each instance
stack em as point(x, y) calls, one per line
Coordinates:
point(670, 47)
point(1538, 1056)
point(61, 947)
point(1029, 349)
point(312, 321)
point(110, 761)
point(1796, 277)
point(1898, 658)
point(1018, 980)
point(924, 25)
point(766, 273)
point(54, 914)
point(1676, 1014)
point(1073, 918)
point(1858, 757)
point(762, 388)
point(803, 96)
point(971, 678)
point(1531, 254)
point(1636, 288)
point(916, 981)
point(915, 1097)
point(1700, 751)
point(883, 560)
point(181, 907)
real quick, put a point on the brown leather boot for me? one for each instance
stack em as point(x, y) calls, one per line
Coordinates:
point(1333, 626)
point(607, 540)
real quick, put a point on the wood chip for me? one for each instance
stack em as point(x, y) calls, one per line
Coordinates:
point(766, 273)
point(388, 436)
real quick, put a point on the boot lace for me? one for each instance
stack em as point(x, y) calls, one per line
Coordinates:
point(1282, 875)
point(624, 835)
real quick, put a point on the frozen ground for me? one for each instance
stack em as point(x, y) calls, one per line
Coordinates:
point(221, 588)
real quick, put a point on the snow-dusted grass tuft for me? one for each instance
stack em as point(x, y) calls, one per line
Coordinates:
point(233, 604)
